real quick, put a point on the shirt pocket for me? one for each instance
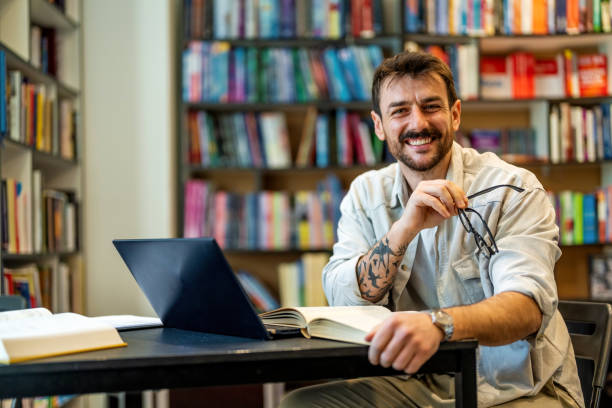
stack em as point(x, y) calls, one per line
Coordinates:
point(469, 275)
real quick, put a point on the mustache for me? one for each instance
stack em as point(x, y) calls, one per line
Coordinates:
point(427, 132)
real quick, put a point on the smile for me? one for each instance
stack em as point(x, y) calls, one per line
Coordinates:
point(418, 141)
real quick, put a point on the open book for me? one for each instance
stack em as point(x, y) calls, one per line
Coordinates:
point(343, 323)
point(36, 333)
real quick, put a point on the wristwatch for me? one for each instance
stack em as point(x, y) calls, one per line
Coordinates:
point(444, 322)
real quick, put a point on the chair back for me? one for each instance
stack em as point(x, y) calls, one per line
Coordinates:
point(11, 302)
point(590, 328)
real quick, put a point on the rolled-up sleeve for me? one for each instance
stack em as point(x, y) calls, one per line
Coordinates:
point(527, 237)
point(355, 238)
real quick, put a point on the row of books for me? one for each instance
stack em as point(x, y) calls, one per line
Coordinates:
point(239, 140)
point(265, 219)
point(28, 112)
point(523, 75)
point(579, 133)
point(218, 72)
point(300, 282)
point(261, 297)
point(55, 401)
point(43, 49)
point(461, 58)
point(225, 19)
point(37, 220)
point(584, 218)
point(517, 145)
point(53, 285)
point(261, 140)
point(510, 17)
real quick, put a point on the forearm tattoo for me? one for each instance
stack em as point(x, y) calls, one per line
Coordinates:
point(376, 270)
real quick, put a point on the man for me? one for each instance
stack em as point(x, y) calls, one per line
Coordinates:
point(464, 237)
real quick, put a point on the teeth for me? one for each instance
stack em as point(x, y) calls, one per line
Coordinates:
point(419, 141)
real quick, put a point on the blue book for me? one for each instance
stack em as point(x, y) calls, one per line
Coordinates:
point(348, 60)
point(322, 140)
point(319, 19)
point(339, 87)
point(219, 70)
point(561, 20)
point(376, 56)
point(442, 17)
point(269, 25)
point(287, 18)
point(412, 16)
point(507, 16)
point(251, 75)
point(341, 135)
point(240, 75)
point(589, 219)
point(186, 58)
point(607, 132)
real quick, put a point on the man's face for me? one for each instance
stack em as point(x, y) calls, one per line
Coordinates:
point(416, 120)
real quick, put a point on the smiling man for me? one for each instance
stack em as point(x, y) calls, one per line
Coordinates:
point(464, 238)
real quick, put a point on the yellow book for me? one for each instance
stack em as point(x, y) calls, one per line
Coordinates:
point(342, 323)
point(37, 333)
point(40, 118)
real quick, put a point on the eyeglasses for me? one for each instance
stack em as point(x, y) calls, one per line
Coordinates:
point(487, 249)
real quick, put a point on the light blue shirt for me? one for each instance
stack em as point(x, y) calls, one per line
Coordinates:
point(523, 224)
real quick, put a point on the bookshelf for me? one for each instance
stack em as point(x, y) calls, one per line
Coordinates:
point(40, 155)
point(478, 112)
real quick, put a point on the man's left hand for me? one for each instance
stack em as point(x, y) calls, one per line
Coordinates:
point(404, 341)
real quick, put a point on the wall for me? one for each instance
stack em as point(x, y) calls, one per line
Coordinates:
point(129, 141)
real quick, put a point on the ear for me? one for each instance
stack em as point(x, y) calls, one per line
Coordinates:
point(378, 127)
point(456, 115)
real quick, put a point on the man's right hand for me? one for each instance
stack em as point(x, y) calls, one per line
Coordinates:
point(432, 202)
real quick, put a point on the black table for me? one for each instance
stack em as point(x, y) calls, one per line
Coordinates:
point(172, 358)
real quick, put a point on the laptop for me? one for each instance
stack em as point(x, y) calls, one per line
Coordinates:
point(191, 286)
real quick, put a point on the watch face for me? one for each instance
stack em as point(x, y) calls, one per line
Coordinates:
point(443, 318)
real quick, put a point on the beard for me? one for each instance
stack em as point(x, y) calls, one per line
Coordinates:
point(442, 148)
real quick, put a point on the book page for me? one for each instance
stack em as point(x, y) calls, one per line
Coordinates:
point(354, 316)
point(48, 325)
point(24, 314)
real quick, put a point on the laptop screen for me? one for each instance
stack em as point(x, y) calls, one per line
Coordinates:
point(191, 286)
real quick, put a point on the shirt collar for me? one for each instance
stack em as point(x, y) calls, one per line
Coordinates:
point(401, 190)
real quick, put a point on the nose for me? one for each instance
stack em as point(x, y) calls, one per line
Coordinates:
point(417, 120)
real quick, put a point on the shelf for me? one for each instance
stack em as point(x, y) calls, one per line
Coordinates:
point(501, 44)
point(13, 61)
point(46, 14)
point(301, 42)
point(43, 158)
point(278, 106)
point(36, 257)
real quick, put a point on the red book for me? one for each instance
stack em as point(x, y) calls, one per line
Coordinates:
point(356, 18)
point(592, 75)
point(353, 119)
point(367, 19)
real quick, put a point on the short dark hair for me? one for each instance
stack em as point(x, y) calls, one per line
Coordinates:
point(412, 63)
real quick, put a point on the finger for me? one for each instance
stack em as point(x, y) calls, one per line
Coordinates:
point(440, 190)
point(394, 348)
point(433, 203)
point(417, 361)
point(403, 358)
point(378, 344)
point(372, 332)
point(459, 197)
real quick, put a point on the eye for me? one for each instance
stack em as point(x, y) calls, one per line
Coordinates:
point(432, 107)
point(399, 111)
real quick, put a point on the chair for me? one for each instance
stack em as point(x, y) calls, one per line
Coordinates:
point(590, 327)
point(11, 302)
